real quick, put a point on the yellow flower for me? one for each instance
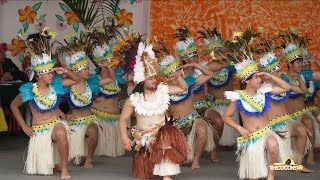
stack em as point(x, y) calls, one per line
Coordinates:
point(71, 17)
point(124, 18)
point(27, 14)
point(17, 46)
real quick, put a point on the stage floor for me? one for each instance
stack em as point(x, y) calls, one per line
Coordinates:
point(13, 153)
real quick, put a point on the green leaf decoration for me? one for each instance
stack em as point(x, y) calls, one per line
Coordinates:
point(25, 26)
point(82, 36)
point(75, 26)
point(126, 29)
point(42, 16)
point(87, 11)
point(64, 7)
point(118, 10)
point(19, 32)
point(59, 17)
point(131, 2)
point(37, 6)
point(20, 56)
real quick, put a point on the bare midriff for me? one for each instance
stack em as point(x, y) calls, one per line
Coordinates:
point(181, 109)
point(78, 113)
point(149, 122)
point(277, 110)
point(43, 117)
point(254, 123)
point(295, 104)
point(110, 105)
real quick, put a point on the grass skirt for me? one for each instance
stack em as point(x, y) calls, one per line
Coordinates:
point(210, 144)
point(161, 155)
point(43, 153)
point(252, 155)
point(79, 142)
point(111, 133)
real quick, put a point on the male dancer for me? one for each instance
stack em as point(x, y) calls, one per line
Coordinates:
point(159, 147)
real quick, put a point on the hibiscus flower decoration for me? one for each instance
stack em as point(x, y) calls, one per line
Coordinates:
point(124, 18)
point(27, 14)
point(71, 17)
point(16, 46)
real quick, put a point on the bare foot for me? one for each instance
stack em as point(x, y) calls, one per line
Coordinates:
point(310, 161)
point(195, 165)
point(214, 156)
point(65, 175)
point(88, 164)
point(167, 178)
point(305, 170)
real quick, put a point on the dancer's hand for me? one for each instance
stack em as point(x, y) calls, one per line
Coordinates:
point(189, 65)
point(60, 70)
point(265, 75)
point(28, 131)
point(244, 132)
point(173, 77)
point(127, 144)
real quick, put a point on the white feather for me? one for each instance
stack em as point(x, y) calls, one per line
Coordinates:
point(232, 95)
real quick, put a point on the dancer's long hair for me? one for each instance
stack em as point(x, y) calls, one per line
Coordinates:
point(139, 88)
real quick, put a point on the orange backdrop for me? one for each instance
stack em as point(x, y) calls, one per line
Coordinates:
point(236, 15)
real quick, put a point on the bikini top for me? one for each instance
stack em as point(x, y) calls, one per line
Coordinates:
point(256, 105)
point(43, 103)
point(197, 89)
point(177, 98)
point(312, 86)
point(222, 78)
point(292, 82)
point(82, 100)
point(280, 97)
point(114, 88)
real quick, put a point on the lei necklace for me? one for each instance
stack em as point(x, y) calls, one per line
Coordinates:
point(42, 99)
point(79, 96)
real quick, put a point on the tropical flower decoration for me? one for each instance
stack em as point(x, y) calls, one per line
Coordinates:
point(60, 25)
point(69, 17)
point(124, 18)
point(28, 16)
point(17, 46)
